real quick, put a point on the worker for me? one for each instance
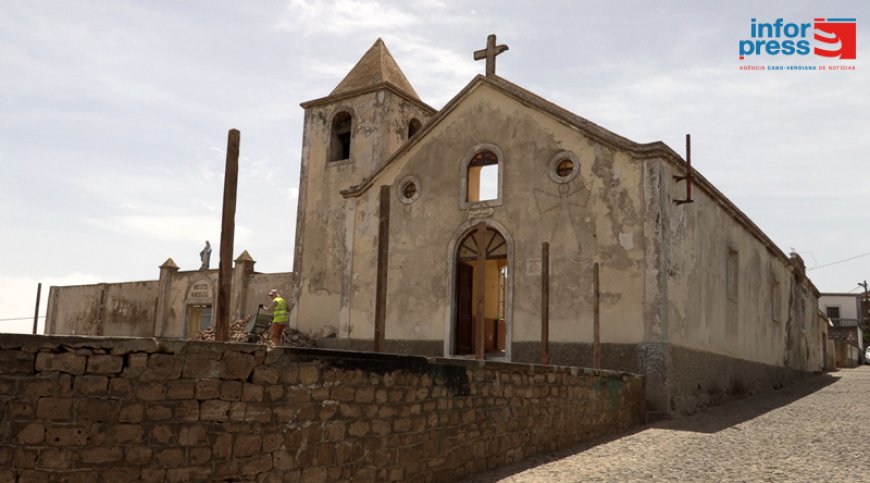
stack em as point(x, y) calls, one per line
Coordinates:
point(279, 317)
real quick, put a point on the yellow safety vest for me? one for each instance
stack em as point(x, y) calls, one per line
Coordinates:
point(279, 316)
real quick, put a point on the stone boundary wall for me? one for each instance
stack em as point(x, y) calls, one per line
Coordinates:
point(124, 409)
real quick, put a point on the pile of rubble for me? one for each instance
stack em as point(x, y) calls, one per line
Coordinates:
point(291, 337)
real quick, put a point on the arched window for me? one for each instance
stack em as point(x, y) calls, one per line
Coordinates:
point(339, 146)
point(413, 127)
point(482, 177)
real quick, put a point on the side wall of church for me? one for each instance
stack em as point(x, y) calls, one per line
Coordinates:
point(736, 306)
point(325, 219)
point(597, 216)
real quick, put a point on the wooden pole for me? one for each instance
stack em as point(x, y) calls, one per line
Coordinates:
point(545, 303)
point(36, 312)
point(383, 260)
point(479, 321)
point(596, 322)
point(228, 229)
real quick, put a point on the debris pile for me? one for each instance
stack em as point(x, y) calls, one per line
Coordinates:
point(291, 337)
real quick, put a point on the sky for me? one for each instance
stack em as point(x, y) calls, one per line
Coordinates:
point(114, 117)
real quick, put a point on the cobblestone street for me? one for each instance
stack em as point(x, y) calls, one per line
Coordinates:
point(810, 431)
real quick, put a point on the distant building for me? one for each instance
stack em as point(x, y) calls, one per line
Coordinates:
point(177, 305)
point(848, 326)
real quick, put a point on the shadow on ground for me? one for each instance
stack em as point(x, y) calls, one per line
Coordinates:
point(710, 421)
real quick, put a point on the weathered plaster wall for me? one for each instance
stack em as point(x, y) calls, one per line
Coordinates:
point(774, 314)
point(766, 317)
point(325, 219)
point(130, 309)
point(98, 409)
point(103, 309)
point(595, 217)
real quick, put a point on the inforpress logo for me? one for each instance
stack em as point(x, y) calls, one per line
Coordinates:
point(834, 38)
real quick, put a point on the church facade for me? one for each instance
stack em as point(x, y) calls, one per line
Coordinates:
point(431, 229)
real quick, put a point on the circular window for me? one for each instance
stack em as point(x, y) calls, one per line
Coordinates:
point(564, 167)
point(408, 189)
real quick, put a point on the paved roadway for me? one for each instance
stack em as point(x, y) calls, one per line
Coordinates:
point(813, 431)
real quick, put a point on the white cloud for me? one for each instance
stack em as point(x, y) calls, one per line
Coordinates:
point(342, 17)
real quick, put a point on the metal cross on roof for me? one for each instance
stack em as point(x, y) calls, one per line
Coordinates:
point(489, 54)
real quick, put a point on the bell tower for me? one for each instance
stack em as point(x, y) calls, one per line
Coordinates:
point(348, 135)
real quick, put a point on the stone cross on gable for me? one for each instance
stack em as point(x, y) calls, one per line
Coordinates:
point(489, 54)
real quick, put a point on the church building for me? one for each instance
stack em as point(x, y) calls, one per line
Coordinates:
point(501, 220)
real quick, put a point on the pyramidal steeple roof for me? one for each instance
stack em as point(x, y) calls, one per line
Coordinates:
point(376, 66)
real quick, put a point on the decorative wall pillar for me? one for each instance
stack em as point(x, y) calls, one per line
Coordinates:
point(243, 269)
point(163, 295)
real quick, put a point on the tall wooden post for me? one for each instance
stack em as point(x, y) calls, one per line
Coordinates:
point(596, 322)
point(545, 303)
point(480, 321)
point(228, 229)
point(383, 260)
point(36, 312)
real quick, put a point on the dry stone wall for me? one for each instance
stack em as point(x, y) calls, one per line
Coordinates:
point(99, 409)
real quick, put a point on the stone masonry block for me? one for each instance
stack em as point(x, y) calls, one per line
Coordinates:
point(170, 458)
point(238, 365)
point(131, 413)
point(284, 460)
point(151, 392)
point(257, 465)
point(187, 411)
point(252, 392)
point(137, 362)
point(214, 410)
point(31, 434)
point(120, 388)
point(97, 410)
point(222, 445)
point(203, 368)
point(37, 388)
point(309, 374)
point(138, 455)
point(96, 386)
point(66, 362)
point(158, 412)
point(56, 459)
point(127, 433)
point(199, 455)
point(208, 389)
point(104, 364)
point(189, 473)
point(153, 475)
point(193, 435)
point(231, 391)
point(16, 362)
point(54, 408)
point(265, 375)
point(180, 389)
point(163, 434)
point(162, 367)
point(100, 454)
point(66, 436)
point(246, 445)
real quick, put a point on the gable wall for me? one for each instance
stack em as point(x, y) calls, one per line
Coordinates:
point(604, 219)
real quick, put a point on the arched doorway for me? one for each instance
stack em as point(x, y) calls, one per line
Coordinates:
point(481, 297)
